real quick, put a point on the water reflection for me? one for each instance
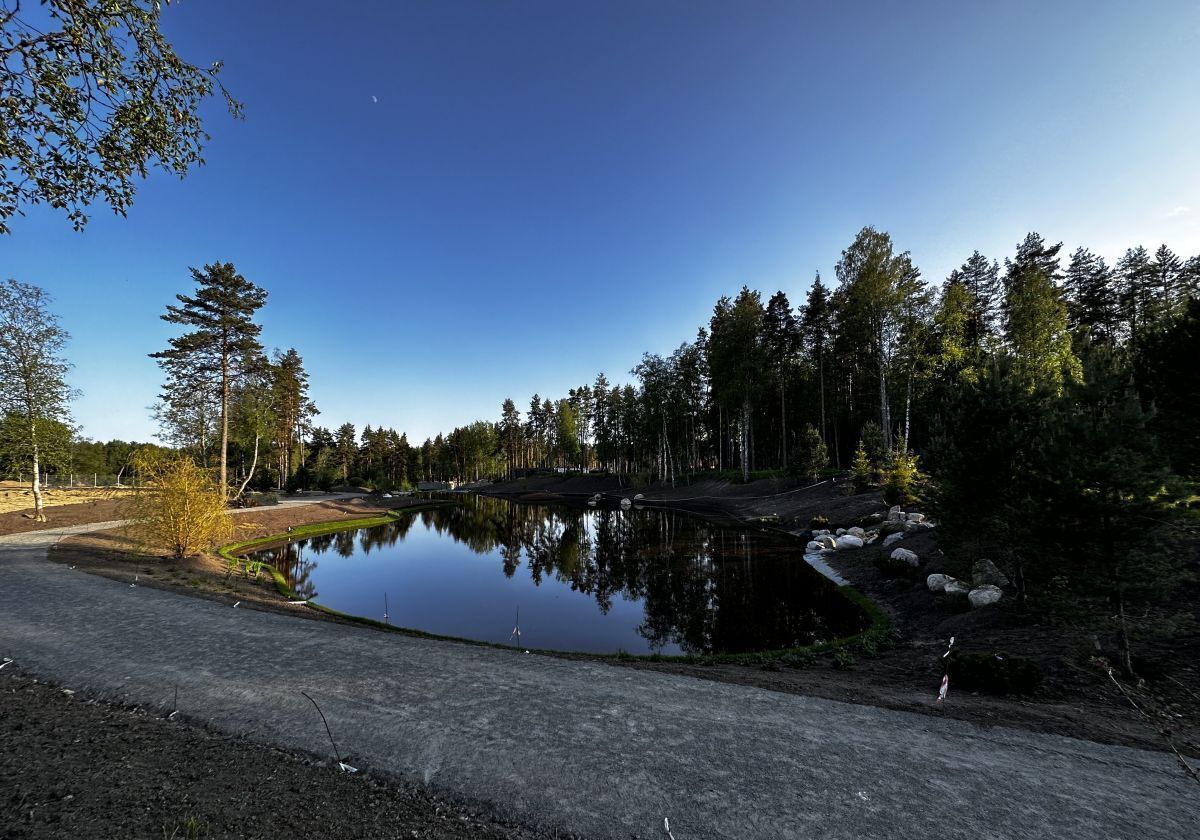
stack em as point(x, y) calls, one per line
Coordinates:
point(585, 579)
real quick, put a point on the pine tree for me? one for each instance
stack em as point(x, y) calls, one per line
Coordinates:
point(815, 339)
point(347, 449)
point(1091, 297)
point(1033, 256)
point(1166, 374)
point(810, 456)
point(781, 336)
point(861, 471)
point(1112, 501)
point(1166, 282)
point(981, 280)
point(952, 326)
point(221, 313)
point(1134, 280)
point(1037, 332)
point(900, 478)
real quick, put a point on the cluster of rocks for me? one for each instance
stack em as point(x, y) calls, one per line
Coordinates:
point(987, 581)
point(890, 527)
point(986, 587)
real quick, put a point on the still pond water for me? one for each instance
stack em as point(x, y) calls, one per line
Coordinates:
point(580, 579)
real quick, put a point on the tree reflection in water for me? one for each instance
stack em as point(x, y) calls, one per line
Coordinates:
point(703, 587)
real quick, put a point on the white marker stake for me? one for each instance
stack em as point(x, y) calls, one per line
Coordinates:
point(944, 689)
point(6, 663)
point(667, 828)
point(947, 653)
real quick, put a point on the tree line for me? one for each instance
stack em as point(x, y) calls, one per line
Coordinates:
point(868, 361)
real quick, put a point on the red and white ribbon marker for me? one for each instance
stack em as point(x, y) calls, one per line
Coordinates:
point(945, 688)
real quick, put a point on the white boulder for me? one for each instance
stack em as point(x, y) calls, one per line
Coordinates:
point(906, 556)
point(857, 532)
point(637, 497)
point(937, 583)
point(826, 541)
point(813, 547)
point(849, 541)
point(892, 539)
point(626, 504)
point(984, 595)
point(840, 531)
point(895, 514)
point(916, 517)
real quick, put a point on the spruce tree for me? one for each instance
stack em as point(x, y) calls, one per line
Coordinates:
point(221, 313)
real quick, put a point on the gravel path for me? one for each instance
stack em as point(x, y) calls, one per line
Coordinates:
point(604, 752)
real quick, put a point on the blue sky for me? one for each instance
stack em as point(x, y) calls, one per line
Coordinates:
point(454, 202)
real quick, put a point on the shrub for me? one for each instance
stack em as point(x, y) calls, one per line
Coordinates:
point(901, 478)
point(861, 471)
point(819, 521)
point(994, 673)
point(843, 660)
point(180, 506)
point(810, 455)
point(264, 499)
point(873, 442)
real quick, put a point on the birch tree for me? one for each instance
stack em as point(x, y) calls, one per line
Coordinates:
point(33, 372)
point(92, 96)
point(879, 286)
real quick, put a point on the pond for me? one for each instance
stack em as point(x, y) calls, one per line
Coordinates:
point(573, 579)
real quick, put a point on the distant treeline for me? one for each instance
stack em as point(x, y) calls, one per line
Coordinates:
point(875, 357)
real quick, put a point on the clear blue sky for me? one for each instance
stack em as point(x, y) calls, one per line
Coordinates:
point(544, 190)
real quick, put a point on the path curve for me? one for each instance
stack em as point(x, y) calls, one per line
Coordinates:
point(586, 747)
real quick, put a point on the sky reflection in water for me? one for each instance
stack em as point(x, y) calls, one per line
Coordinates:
point(591, 580)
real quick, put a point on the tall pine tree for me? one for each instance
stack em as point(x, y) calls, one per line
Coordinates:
point(221, 313)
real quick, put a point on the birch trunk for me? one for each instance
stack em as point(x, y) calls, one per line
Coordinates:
point(253, 467)
point(39, 507)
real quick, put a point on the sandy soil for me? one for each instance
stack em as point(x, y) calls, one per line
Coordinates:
point(17, 499)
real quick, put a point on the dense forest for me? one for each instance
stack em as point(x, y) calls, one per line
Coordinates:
point(882, 359)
